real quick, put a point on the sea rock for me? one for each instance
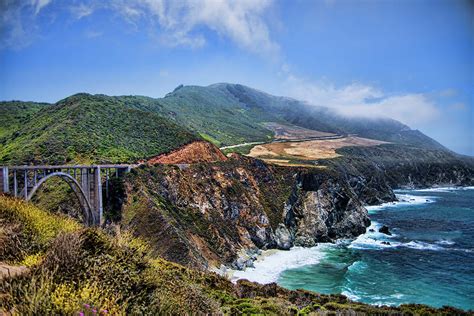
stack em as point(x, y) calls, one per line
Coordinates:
point(384, 230)
point(283, 237)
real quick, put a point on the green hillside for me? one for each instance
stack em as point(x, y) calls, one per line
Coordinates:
point(14, 115)
point(90, 129)
point(99, 128)
point(211, 112)
point(228, 114)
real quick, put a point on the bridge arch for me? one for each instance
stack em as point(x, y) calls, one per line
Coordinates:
point(75, 186)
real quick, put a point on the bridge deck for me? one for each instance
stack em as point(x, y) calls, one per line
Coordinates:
point(120, 166)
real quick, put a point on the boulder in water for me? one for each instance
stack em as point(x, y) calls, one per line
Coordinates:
point(384, 230)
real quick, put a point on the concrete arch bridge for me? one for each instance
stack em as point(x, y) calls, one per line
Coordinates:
point(89, 183)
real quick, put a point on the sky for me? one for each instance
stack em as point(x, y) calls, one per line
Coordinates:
point(412, 60)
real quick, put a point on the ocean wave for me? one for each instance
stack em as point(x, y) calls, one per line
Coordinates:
point(272, 263)
point(357, 267)
point(367, 242)
point(445, 189)
point(403, 200)
point(445, 242)
point(420, 245)
point(350, 295)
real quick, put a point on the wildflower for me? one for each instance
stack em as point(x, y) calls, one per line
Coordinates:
point(87, 306)
point(81, 314)
point(104, 311)
point(94, 311)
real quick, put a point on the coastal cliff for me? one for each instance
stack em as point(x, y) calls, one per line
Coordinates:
point(224, 211)
point(218, 213)
point(375, 172)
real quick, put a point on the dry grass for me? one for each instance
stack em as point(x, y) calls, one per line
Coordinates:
point(284, 153)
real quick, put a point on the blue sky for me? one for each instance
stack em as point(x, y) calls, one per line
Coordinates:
point(410, 60)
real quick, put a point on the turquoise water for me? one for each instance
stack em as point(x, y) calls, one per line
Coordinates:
point(430, 258)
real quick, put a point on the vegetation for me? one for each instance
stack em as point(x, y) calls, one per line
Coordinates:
point(27, 230)
point(15, 114)
point(87, 271)
point(91, 129)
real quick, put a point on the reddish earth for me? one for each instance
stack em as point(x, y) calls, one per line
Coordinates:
point(195, 152)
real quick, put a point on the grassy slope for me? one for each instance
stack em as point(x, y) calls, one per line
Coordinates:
point(91, 129)
point(77, 269)
point(15, 114)
point(257, 107)
point(215, 114)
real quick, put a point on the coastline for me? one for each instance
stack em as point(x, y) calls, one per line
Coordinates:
point(272, 263)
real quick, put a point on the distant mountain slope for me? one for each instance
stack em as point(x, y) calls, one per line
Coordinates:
point(90, 129)
point(99, 128)
point(229, 114)
point(213, 113)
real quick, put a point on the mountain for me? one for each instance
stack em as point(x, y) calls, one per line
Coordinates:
point(86, 129)
point(229, 114)
point(99, 128)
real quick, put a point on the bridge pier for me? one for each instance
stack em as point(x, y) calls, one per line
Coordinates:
point(86, 181)
point(4, 178)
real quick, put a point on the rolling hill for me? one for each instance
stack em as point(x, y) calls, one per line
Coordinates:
point(98, 128)
point(87, 129)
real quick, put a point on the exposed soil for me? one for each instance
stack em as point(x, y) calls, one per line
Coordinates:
point(308, 150)
point(195, 152)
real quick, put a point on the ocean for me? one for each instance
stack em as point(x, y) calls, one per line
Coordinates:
point(428, 259)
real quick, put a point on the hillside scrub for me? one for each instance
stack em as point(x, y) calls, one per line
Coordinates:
point(90, 129)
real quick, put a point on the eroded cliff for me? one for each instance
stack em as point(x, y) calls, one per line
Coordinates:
point(210, 214)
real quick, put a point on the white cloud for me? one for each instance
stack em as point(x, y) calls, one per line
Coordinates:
point(364, 101)
point(82, 10)
point(39, 4)
point(178, 22)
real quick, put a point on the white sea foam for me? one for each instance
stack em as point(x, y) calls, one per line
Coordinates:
point(420, 245)
point(350, 294)
point(445, 189)
point(403, 200)
point(373, 239)
point(272, 263)
point(445, 242)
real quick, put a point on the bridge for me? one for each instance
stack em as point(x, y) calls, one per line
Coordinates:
point(89, 183)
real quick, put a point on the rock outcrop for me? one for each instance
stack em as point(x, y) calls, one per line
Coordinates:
point(222, 213)
point(194, 152)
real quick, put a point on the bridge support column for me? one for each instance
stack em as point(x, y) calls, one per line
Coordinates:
point(5, 188)
point(91, 182)
point(96, 195)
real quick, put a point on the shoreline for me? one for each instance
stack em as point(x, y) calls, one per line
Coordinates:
point(269, 264)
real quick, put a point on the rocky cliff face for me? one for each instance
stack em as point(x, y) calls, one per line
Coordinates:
point(223, 213)
point(373, 172)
